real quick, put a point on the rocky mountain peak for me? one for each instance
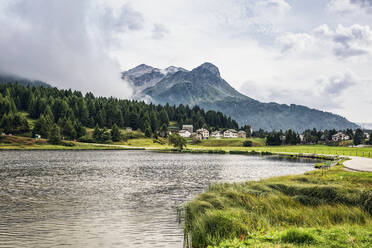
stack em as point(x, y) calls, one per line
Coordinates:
point(209, 67)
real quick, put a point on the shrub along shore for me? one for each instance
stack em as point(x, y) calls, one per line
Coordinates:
point(322, 208)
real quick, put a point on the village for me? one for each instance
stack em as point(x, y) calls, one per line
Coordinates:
point(187, 131)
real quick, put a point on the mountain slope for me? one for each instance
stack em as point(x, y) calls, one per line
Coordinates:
point(4, 79)
point(205, 87)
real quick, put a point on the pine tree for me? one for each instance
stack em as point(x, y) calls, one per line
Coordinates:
point(370, 139)
point(115, 133)
point(358, 137)
point(163, 130)
point(148, 132)
point(55, 135)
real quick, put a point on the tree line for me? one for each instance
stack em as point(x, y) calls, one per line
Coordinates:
point(69, 112)
point(310, 137)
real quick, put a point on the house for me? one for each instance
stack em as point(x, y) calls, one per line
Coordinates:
point(189, 128)
point(184, 133)
point(242, 134)
point(217, 134)
point(128, 129)
point(37, 136)
point(173, 130)
point(204, 133)
point(367, 135)
point(230, 133)
point(196, 135)
point(340, 136)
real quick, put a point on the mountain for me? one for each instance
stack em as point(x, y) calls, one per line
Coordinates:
point(205, 87)
point(4, 79)
point(144, 76)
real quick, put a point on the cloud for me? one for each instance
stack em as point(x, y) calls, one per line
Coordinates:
point(336, 85)
point(324, 93)
point(344, 42)
point(65, 43)
point(276, 6)
point(350, 7)
point(159, 31)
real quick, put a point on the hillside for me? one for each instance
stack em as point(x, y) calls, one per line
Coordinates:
point(4, 79)
point(205, 87)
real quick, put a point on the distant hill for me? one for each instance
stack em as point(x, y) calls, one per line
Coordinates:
point(205, 87)
point(4, 79)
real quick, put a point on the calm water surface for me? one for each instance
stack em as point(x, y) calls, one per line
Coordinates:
point(112, 198)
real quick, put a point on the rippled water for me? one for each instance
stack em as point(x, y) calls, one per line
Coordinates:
point(112, 198)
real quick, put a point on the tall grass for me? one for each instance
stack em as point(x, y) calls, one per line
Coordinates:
point(232, 211)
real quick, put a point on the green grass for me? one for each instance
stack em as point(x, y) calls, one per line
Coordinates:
point(25, 143)
point(334, 237)
point(146, 142)
point(310, 149)
point(298, 211)
point(238, 142)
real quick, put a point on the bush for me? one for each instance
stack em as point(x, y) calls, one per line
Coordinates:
point(297, 236)
point(69, 144)
point(86, 139)
point(248, 143)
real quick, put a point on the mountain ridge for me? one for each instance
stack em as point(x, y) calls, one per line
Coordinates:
point(6, 78)
point(205, 87)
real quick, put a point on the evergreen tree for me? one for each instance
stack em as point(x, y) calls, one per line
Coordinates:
point(164, 119)
point(43, 126)
point(55, 135)
point(154, 122)
point(68, 129)
point(163, 130)
point(148, 132)
point(273, 139)
point(358, 137)
point(80, 129)
point(370, 139)
point(115, 133)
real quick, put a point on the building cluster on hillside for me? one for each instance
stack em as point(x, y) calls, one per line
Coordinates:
point(340, 136)
point(202, 133)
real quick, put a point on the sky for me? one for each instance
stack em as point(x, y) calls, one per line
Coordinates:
point(316, 53)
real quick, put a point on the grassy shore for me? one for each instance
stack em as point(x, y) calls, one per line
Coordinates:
point(24, 143)
point(210, 145)
point(310, 149)
point(331, 208)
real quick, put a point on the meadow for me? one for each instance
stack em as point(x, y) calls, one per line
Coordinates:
point(322, 208)
point(258, 146)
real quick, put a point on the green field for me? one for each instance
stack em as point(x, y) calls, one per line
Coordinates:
point(331, 208)
point(311, 149)
point(238, 142)
point(25, 143)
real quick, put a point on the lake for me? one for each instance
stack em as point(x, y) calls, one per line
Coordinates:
point(113, 198)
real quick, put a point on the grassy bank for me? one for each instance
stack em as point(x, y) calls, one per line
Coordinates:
point(310, 149)
point(330, 208)
point(24, 143)
point(238, 142)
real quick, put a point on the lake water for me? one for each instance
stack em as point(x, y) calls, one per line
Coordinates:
point(112, 198)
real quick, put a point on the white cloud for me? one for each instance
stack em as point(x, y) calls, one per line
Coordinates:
point(326, 92)
point(64, 43)
point(343, 42)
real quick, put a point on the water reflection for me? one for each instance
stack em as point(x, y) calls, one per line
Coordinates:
point(112, 198)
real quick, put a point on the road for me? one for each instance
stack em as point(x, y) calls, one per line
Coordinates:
point(359, 164)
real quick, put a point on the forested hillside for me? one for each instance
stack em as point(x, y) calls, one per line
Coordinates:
point(73, 112)
point(5, 79)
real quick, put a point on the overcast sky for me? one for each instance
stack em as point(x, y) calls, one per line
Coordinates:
point(316, 53)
